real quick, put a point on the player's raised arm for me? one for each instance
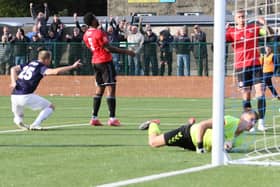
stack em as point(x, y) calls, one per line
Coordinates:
point(56, 71)
point(14, 73)
point(265, 30)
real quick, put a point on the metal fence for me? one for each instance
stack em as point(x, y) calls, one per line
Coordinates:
point(152, 59)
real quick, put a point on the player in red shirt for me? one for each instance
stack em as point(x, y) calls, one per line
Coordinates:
point(105, 74)
point(247, 65)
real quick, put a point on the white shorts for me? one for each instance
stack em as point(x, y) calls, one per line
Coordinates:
point(32, 101)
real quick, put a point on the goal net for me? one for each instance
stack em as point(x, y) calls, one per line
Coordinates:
point(258, 147)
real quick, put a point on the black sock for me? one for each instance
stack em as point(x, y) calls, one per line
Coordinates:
point(96, 104)
point(261, 106)
point(111, 101)
point(246, 104)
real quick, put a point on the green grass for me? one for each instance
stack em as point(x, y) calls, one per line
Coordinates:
point(88, 156)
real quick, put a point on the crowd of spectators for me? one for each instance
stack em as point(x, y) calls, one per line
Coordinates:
point(154, 52)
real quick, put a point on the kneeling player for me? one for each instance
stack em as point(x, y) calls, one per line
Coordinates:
point(198, 136)
point(24, 81)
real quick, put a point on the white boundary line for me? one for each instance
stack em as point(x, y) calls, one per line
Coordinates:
point(47, 127)
point(130, 181)
point(157, 176)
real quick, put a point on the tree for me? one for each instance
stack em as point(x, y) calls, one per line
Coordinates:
point(20, 8)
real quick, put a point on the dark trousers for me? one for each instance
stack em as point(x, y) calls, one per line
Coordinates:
point(268, 82)
point(150, 61)
point(166, 61)
point(202, 66)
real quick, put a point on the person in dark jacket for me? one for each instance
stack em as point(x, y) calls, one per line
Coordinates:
point(20, 47)
point(164, 43)
point(198, 37)
point(75, 50)
point(149, 49)
point(183, 48)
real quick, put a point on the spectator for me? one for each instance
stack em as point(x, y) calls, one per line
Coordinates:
point(34, 32)
point(121, 27)
point(5, 55)
point(276, 49)
point(51, 45)
point(19, 47)
point(86, 52)
point(75, 51)
point(164, 41)
point(183, 48)
point(41, 18)
point(5, 51)
point(57, 27)
point(198, 37)
point(267, 61)
point(7, 33)
point(82, 28)
point(150, 49)
point(135, 42)
point(35, 45)
point(113, 40)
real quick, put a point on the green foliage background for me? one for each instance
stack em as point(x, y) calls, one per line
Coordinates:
point(19, 8)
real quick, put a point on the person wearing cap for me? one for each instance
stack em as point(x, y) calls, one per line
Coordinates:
point(198, 37)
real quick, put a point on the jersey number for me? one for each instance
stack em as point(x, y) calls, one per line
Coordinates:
point(26, 73)
point(91, 43)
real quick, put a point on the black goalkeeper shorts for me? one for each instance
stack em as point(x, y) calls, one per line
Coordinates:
point(180, 137)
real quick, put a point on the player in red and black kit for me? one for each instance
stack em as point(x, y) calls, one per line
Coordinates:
point(105, 75)
point(247, 65)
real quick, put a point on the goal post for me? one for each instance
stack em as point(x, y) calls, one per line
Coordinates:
point(259, 35)
point(218, 83)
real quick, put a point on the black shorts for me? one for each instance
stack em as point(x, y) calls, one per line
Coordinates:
point(180, 137)
point(249, 76)
point(105, 73)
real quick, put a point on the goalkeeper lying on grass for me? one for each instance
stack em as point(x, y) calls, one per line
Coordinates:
point(198, 136)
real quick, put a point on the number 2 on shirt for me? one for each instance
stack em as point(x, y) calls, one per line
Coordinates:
point(26, 73)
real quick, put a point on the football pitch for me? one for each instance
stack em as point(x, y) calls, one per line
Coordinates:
point(72, 153)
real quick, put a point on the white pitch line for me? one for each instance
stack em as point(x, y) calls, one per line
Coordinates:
point(47, 127)
point(157, 176)
point(11, 131)
point(70, 125)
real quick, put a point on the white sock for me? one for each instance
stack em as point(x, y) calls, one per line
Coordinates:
point(18, 120)
point(44, 114)
point(261, 122)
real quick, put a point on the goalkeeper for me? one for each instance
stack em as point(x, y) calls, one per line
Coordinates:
point(198, 136)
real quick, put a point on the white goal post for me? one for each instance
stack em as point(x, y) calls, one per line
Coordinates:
point(265, 150)
point(218, 83)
